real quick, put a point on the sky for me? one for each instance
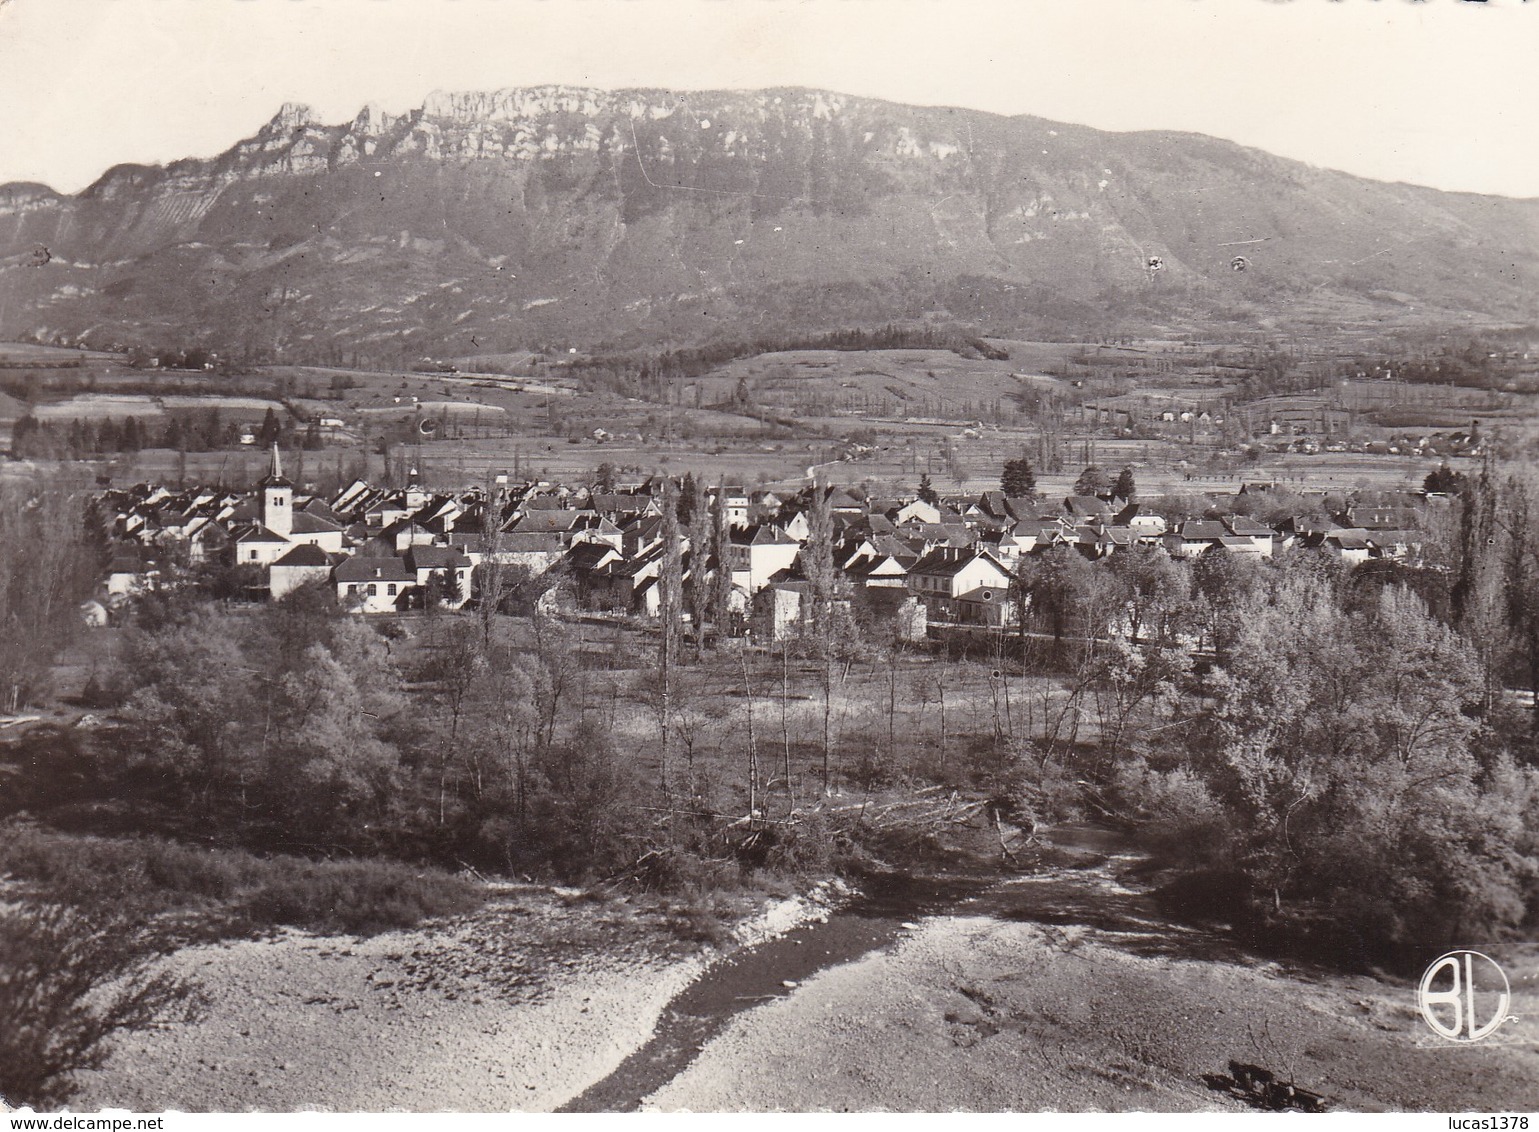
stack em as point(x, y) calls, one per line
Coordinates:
point(1435, 92)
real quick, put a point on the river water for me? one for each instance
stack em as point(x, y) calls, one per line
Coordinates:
point(1084, 887)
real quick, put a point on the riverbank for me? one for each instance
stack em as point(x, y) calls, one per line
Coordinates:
point(518, 1007)
point(1067, 991)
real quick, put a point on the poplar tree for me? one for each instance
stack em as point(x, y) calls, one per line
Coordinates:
point(818, 566)
point(670, 610)
point(721, 546)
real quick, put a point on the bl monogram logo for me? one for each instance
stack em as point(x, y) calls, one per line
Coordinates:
point(1464, 996)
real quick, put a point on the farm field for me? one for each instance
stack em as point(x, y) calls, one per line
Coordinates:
point(901, 383)
point(880, 417)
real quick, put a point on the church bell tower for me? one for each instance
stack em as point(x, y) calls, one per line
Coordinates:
point(277, 499)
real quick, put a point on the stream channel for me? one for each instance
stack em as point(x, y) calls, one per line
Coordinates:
point(1085, 887)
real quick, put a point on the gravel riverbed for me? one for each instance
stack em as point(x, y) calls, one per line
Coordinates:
point(1001, 1011)
point(518, 1007)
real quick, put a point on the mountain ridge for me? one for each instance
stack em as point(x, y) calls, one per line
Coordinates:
point(488, 220)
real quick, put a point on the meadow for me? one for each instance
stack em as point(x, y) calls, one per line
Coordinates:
point(882, 418)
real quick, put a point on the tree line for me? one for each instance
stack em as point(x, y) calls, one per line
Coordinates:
point(1323, 756)
point(651, 375)
point(196, 431)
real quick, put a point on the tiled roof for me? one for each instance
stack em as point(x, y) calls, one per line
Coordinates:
point(306, 523)
point(940, 564)
point(305, 554)
point(537, 522)
point(530, 542)
point(258, 533)
point(436, 558)
point(373, 570)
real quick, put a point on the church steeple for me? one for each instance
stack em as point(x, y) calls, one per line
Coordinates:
point(275, 470)
point(277, 499)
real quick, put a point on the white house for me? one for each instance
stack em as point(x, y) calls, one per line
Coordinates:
point(1351, 547)
point(916, 510)
point(374, 585)
point(945, 575)
point(734, 500)
point(302, 564)
point(758, 553)
point(451, 568)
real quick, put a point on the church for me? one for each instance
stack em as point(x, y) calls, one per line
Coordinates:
point(292, 543)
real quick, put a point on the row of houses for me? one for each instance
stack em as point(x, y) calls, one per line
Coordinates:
point(388, 550)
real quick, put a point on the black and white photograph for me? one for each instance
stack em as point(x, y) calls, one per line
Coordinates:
point(769, 556)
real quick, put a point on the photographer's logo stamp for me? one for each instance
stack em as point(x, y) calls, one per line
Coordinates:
point(1464, 996)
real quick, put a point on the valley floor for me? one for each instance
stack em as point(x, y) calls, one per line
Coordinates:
point(1064, 989)
point(517, 1007)
point(975, 1013)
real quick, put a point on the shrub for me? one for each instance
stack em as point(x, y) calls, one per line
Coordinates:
point(67, 983)
point(701, 917)
point(360, 897)
point(148, 874)
point(238, 891)
point(813, 846)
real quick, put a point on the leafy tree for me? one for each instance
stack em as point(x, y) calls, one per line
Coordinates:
point(1125, 487)
point(1019, 479)
point(1444, 480)
point(269, 431)
point(721, 551)
point(926, 492)
point(520, 587)
point(1057, 586)
point(1341, 784)
point(26, 437)
point(1092, 481)
point(210, 436)
point(1158, 588)
point(328, 762)
point(50, 560)
point(197, 714)
point(687, 499)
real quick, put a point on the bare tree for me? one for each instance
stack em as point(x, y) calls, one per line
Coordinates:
point(699, 588)
point(818, 619)
point(753, 749)
point(721, 547)
point(670, 611)
point(49, 564)
point(785, 723)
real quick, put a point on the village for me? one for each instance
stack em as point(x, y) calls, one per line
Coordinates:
point(685, 557)
point(600, 548)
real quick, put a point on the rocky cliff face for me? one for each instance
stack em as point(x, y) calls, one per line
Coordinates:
point(555, 215)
